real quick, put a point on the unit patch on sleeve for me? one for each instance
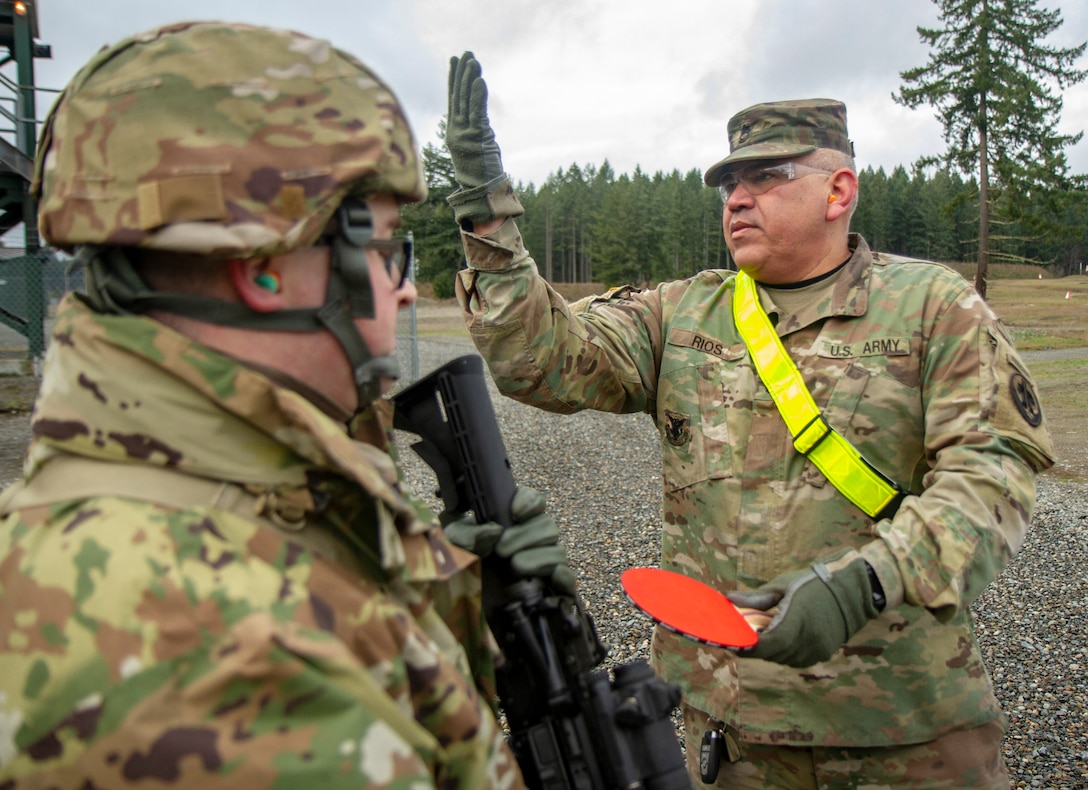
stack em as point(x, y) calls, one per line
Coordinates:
point(677, 428)
point(1027, 402)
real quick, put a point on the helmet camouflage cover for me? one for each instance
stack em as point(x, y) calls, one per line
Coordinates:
point(226, 140)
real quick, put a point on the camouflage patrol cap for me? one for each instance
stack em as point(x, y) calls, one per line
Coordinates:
point(784, 129)
point(226, 140)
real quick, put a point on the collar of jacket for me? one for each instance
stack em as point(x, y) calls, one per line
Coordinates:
point(849, 297)
point(129, 389)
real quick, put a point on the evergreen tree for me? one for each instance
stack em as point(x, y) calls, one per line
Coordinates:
point(626, 235)
point(942, 239)
point(991, 80)
point(901, 212)
point(1071, 253)
point(536, 224)
point(615, 246)
point(682, 243)
point(711, 249)
point(569, 224)
point(435, 235)
point(873, 215)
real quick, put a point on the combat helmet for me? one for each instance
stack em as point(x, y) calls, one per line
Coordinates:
point(225, 141)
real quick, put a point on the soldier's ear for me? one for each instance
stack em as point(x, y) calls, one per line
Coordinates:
point(257, 285)
point(842, 189)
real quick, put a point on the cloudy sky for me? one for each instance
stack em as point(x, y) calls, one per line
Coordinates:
point(639, 82)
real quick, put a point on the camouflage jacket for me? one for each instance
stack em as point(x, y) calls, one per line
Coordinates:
point(323, 630)
point(907, 362)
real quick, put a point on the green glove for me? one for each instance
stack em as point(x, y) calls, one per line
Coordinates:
point(531, 544)
point(485, 190)
point(819, 609)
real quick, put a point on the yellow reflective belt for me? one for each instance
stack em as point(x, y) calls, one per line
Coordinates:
point(839, 460)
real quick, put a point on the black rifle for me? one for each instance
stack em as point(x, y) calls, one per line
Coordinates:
point(571, 724)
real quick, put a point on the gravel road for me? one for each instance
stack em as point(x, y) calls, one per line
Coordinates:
point(601, 475)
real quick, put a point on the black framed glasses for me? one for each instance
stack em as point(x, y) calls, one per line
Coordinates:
point(349, 233)
point(397, 254)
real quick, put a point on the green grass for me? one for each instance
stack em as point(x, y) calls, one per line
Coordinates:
point(1033, 339)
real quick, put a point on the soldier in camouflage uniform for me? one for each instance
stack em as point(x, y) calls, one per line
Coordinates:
point(211, 575)
point(869, 674)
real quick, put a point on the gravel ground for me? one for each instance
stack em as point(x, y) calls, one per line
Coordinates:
point(601, 475)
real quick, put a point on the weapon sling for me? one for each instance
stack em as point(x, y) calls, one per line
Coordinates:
point(841, 463)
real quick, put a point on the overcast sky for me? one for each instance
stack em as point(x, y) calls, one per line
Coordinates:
point(639, 82)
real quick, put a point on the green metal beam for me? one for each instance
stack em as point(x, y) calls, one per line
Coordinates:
point(26, 140)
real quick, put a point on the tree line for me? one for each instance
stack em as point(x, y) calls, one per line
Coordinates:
point(995, 81)
point(586, 223)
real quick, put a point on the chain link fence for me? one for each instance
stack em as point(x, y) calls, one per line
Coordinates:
point(39, 279)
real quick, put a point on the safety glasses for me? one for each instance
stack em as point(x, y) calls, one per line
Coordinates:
point(397, 254)
point(761, 178)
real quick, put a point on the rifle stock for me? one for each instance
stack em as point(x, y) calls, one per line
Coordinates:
point(572, 725)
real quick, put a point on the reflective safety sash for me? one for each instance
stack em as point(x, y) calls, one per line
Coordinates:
point(840, 462)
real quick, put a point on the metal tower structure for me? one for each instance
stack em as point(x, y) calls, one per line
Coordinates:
point(18, 140)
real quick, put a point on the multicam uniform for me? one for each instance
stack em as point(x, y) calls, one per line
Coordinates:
point(907, 362)
point(301, 621)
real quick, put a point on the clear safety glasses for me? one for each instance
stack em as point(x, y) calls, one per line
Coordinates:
point(761, 178)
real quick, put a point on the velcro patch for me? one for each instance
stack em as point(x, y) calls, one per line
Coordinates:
point(871, 347)
point(188, 198)
point(293, 201)
point(688, 339)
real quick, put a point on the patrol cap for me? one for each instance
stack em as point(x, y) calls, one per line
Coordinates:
point(783, 129)
point(218, 139)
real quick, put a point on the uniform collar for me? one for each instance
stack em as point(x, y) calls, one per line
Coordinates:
point(130, 389)
point(849, 294)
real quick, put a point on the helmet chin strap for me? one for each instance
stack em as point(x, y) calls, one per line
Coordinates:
point(349, 296)
point(113, 286)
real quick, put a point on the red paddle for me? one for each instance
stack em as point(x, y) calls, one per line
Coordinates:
point(690, 607)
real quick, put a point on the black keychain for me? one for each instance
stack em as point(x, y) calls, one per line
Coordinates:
point(710, 755)
point(717, 738)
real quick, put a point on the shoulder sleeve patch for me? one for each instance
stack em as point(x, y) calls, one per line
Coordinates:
point(1015, 407)
point(1027, 402)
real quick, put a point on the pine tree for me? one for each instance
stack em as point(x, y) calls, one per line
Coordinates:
point(992, 79)
point(437, 240)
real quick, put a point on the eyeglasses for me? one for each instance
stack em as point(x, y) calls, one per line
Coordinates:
point(397, 254)
point(758, 179)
